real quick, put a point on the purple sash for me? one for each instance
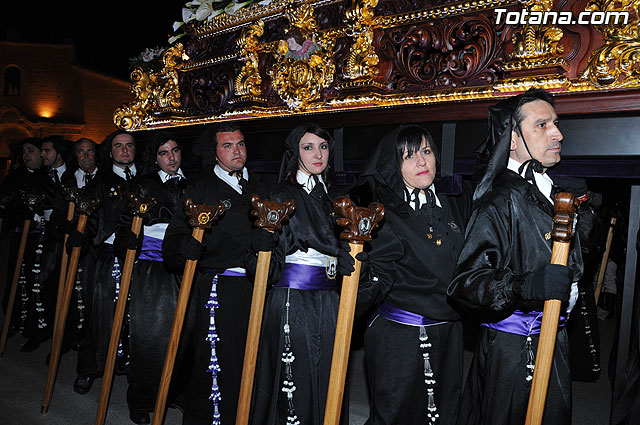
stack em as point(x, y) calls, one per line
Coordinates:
point(151, 249)
point(305, 277)
point(395, 314)
point(522, 323)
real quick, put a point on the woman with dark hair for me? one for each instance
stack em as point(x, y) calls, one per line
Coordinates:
point(302, 308)
point(413, 343)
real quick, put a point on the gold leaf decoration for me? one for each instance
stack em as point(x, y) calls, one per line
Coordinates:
point(153, 91)
point(616, 64)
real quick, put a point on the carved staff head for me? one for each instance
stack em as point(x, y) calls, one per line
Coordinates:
point(270, 214)
point(564, 219)
point(31, 200)
point(71, 193)
point(358, 222)
point(201, 215)
point(86, 205)
point(140, 205)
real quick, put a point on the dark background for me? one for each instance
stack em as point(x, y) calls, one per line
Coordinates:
point(105, 33)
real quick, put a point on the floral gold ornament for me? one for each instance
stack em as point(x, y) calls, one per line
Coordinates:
point(153, 91)
point(362, 58)
point(536, 45)
point(304, 61)
point(616, 64)
point(248, 80)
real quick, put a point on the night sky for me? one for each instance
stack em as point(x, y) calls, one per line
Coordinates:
point(106, 33)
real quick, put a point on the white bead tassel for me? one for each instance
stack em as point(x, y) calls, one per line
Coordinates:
point(432, 410)
point(288, 386)
point(213, 338)
point(78, 289)
point(24, 297)
point(116, 274)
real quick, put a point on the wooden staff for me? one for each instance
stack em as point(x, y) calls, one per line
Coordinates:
point(200, 218)
point(358, 223)
point(71, 194)
point(85, 207)
point(565, 210)
point(270, 217)
point(605, 259)
point(139, 207)
point(31, 202)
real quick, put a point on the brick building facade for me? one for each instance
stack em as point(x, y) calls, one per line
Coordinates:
point(44, 92)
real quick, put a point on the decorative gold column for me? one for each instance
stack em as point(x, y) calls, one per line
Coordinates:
point(248, 81)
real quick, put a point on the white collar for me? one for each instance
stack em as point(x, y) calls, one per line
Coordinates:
point(231, 180)
point(61, 169)
point(164, 177)
point(308, 182)
point(543, 181)
point(422, 196)
point(80, 173)
point(120, 171)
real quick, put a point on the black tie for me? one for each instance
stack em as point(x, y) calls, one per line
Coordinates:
point(431, 198)
point(416, 198)
point(54, 175)
point(87, 178)
point(127, 173)
point(174, 180)
point(242, 182)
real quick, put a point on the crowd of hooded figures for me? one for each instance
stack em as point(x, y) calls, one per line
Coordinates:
point(476, 254)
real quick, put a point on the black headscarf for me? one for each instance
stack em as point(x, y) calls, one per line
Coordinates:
point(494, 158)
point(382, 172)
point(291, 156)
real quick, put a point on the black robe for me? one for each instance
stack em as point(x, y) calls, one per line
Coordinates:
point(35, 298)
point(227, 245)
point(411, 263)
point(312, 316)
point(505, 242)
point(152, 297)
point(100, 281)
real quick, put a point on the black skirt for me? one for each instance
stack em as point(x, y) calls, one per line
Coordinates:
point(396, 372)
point(312, 318)
point(497, 390)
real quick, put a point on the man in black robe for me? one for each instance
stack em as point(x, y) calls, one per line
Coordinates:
point(53, 152)
point(504, 275)
point(83, 163)
point(103, 271)
point(154, 289)
point(31, 177)
point(216, 324)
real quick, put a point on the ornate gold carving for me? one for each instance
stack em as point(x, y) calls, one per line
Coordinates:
point(248, 80)
point(304, 61)
point(617, 63)
point(362, 58)
point(536, 45)
point(153, 91)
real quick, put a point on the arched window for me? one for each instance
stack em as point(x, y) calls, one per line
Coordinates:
point(12, 81)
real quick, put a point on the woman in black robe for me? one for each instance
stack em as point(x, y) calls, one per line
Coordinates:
point(413, 343)
point(302, 308)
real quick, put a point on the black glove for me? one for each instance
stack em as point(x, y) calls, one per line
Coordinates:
point(77, 239)
point(126, 240)
point(191, 249)
point(345, 260)
point(263, 240)
point(550, 282)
